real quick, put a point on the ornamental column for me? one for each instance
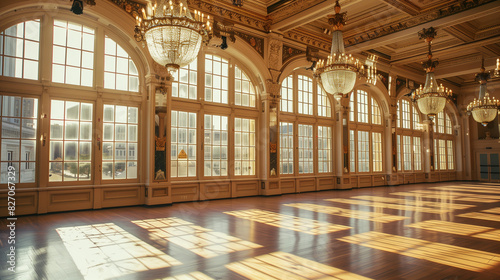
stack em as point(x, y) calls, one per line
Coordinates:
point(159, 88)
point(342, 164)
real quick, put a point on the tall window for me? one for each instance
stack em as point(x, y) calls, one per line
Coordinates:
point(18, 138)
point(417, 153)
point(407, 150)
point(365, 138)
point(409, 137)
point(73, 54)
point(216, 79)
point(376, 117)
point(324, 149)
point(449, 145)
point(324, 107)
point(19, 50)
point(185, 81)
point(183, 144)
point(119, 70)
point(405, 113)
point(306, 149)
point(70, 141)
point(305, 95)
point(286, 148)
point(363, 151)
point(119, 147)
point(362, 102)
point(215, 145)
point(377, 151)
point(287, 94)
point(443, 142)
point(442, 154)
point(244, 146)
point(244, 92)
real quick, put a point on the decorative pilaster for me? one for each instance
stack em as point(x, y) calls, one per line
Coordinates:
point(159, 87)
point(342, 166)
point(428, 146)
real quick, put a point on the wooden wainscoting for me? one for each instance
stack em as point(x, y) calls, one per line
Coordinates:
point(245, 188)
point(364, 181)
point(306, 185)
point(68, 199)
point(287, 186)
point(409, 178)
point(26, 202)
point(185, 192)
point(215, 190)
point(378, 180)
point(419, 177)
point(121, 196)
point(325, 183)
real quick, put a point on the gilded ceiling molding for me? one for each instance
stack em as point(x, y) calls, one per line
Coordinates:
point(322, 44)
point(415, 21)
point(293, 8)
point(217, 10)
point(289, 52)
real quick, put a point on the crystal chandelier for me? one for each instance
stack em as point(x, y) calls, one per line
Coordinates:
point(337, 74)
point(430, 98)
point(173, 35)
point(484, 109)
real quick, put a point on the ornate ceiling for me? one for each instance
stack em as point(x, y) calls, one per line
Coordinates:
point(467, 30)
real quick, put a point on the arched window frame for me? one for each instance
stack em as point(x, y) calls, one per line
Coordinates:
point(75, 93)
point(366, 133)
point(321, 153)
point(230, 111)
point(409, 139)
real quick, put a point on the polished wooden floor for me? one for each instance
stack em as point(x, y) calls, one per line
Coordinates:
point(423, 231)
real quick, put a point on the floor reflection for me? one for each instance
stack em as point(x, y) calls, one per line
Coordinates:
point(191, 276)
point(389, 206)
point(444, 196)
point(459, 229)
point(355, 214)
point(495, 210)
point(458, 193)
point(464, 258)
point(105, 251)
point(289, 222)
point(280, 265)
point(466, 189)
point(481, 216)
point(416, 202)
point(201, 241)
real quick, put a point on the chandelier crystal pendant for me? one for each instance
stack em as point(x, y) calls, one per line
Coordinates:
point(430, 98)
point(173, 35)
point(337, 74)
point(484, 109)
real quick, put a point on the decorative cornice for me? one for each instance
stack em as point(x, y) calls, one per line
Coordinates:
point(289, 52)
point(322, 44)
point(217, 9)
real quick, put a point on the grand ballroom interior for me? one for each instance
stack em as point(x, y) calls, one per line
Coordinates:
point(250, 139)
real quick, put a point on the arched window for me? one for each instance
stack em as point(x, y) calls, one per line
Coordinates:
point(73, 53)
point(409, 137)
point(120, 71)
point(70, 135)
point(324, 107)
point(19, 50)
point(305, 134)
point(287, 95)
point(365, 135)
point(226, 152)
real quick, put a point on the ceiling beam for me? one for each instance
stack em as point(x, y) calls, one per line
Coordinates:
point(404, 6)
point(481, 11)
point(311, 14)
